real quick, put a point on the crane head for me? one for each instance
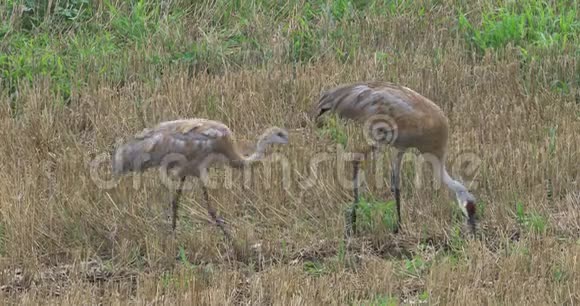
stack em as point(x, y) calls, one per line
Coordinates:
point(276, 135)
point(467, 204)
point(324, 105)
point(316, 116)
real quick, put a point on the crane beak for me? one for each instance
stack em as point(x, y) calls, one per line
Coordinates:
point(315, 116)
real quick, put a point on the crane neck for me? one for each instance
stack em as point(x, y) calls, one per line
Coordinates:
point(257, 155)
point(238, 160)
point(452, 184)
point(260, 150)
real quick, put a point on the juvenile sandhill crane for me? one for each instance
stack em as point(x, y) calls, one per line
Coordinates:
point(401, 117)
point(188, 147)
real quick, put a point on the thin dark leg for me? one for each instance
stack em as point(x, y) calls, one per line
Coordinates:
point(351, 228)
point(174, 203)
point(398, 202)
point(471, 217)
point(472, 225)
point(213, 214)
point(395, 183)
point(396, 191)
point(373, 158)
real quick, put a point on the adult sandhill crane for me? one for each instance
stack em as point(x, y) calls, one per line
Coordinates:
point(188, 147)
point(401, 117)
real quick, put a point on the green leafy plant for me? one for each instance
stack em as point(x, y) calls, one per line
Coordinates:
point(533, 23)
point(381, 300)
point(183, 258)
point(371, 212)
point(414, 267)
point(534, 222)
point(314, 268)
point(559, 273)
point(335, 130)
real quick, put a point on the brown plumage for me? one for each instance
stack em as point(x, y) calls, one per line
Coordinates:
point(401, 117)
point(188, 147)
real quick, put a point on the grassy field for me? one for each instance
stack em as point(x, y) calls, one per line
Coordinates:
point(78, 76)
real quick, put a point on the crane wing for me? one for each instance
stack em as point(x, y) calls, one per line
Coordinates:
point(409, 119)
point(360, 100)
point(178, 140)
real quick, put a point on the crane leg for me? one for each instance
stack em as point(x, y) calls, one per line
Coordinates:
point(374, 152)
point(175, 202)
point(472, 225)
point(213, 214)
point(351, 226)
point(395, 183)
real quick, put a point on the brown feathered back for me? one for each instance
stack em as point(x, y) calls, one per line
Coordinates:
point(420, 123)
point(192, 139)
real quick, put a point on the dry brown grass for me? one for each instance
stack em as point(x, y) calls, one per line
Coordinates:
point(288, 242)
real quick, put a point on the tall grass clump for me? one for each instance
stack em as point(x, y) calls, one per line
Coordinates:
point(533, 23)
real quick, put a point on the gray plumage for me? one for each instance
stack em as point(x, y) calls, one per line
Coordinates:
point(400, 117)
point(188, 147)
